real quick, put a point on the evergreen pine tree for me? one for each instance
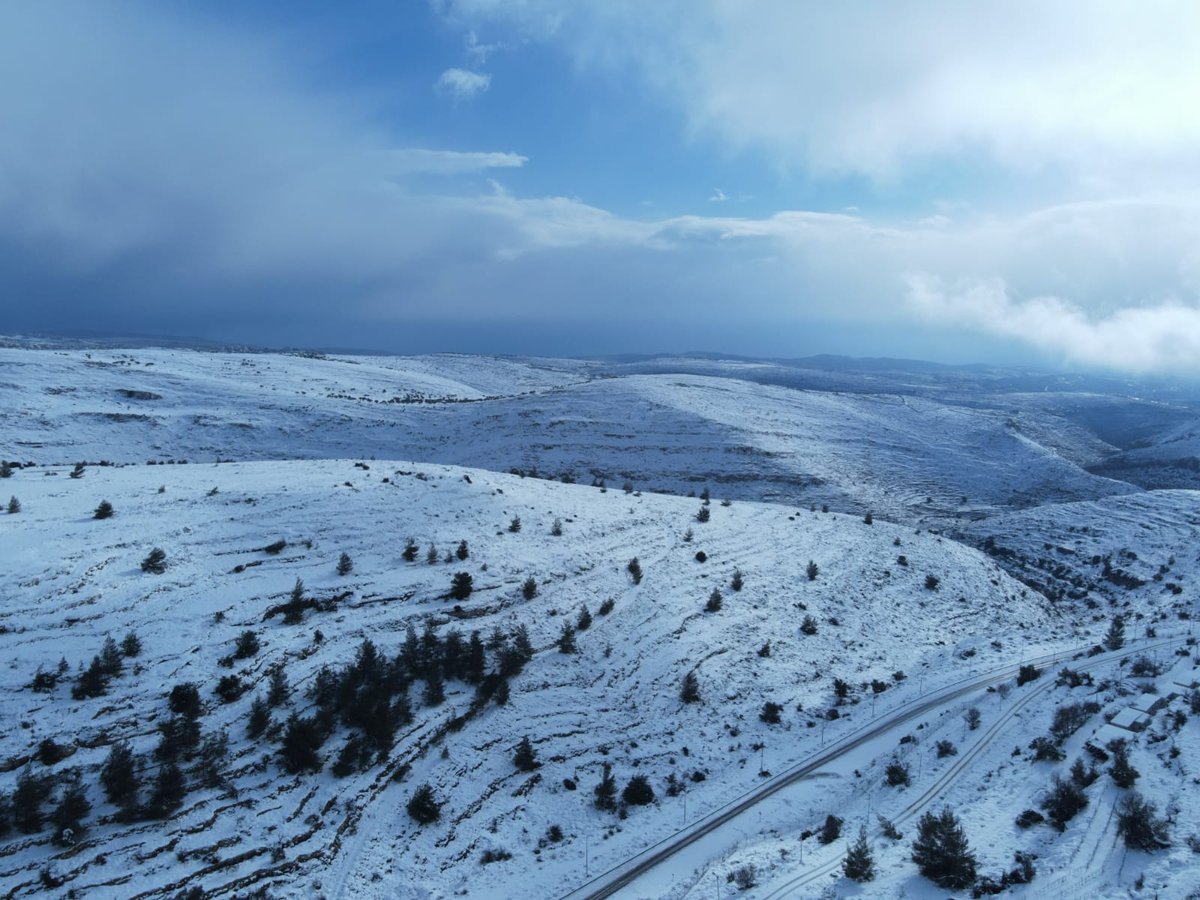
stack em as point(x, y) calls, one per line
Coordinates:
point(27, 800)
point(714, 601)
point(92, 682)
point(522, 644)
point(431, 555)
point(345, 565)
point(131, 645)
point(167, 793)
point(411, 651)
point(431, 649)
point(423, 806)
point(155, 562)
point(606, 791)
point(103, 511)
point(349, 757)
point(410, 550)
point(461, 586)
point(213, 754)
point(584, 622)
point(73, 807)
point(1114, 639)
point(259, 719)
point(771, 713)
point(831, 830)
point(942, 852)
point(278, 689)
point(502, 692)
point(811, 570)
point(184, 700)
point(530, 588)
point(689, 692)
point(737, 583)
point(462, 552)
point(179, 736)
point(294, 609)
point(14, 506)
point(435, 690)
point(635, 570)
point(638, 791)
point(302, 738)
point(453, 654)
point(119, 778)
point(525, 758)
point(859, 864)
point(476, 659)
point(566, 640)
point(111, 659)
point(1122, 771)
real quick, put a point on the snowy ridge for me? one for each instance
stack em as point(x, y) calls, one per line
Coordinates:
point(295, 459)
point(579, 709)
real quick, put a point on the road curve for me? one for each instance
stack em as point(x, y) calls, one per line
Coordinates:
point(607, 883)
point(962, 762)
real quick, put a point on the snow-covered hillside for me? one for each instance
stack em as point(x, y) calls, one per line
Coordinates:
point(905, 457)
point(759, 633)
point(616, 700)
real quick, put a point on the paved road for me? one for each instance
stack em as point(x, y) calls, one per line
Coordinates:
point(608, 883)
point(929, 794)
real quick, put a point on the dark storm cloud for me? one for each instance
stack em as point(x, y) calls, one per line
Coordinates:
point(162, 174)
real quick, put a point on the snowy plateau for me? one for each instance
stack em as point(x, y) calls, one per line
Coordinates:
point(396, 639)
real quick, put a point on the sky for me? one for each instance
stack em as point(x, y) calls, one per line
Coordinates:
point(1003, 182)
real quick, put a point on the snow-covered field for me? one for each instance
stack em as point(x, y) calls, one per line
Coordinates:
point(909, 456)
point(358, 455)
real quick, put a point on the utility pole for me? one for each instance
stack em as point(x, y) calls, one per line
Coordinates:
point(586, 873)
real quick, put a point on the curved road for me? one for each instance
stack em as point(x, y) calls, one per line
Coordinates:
point(962, 762)
point(607, 883)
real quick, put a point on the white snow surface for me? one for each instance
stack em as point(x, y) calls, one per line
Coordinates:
point(68, 581)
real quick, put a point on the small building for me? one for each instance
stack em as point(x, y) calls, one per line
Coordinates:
point(1131, 719)
point(1152, 703)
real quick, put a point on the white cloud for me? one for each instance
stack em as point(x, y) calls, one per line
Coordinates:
point(478, 51)
point(412, 161)
point(1159, 339)
point(463, 84)
point(1099, 89)
point(160, 196)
